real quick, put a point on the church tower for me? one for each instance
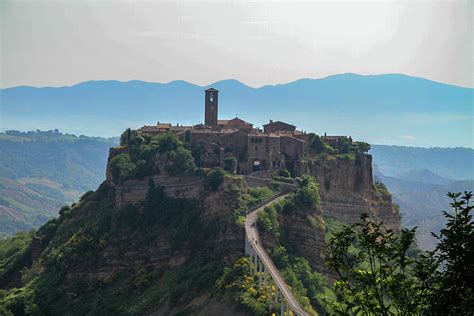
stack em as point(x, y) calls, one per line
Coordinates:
point(211, 107)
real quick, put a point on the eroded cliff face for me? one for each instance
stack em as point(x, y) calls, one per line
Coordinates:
point(140, 235)
point(131, 249)
point(347, 190)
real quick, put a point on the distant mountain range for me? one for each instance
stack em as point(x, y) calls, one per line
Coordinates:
point(426, 165)
point(380, 109)
point(422, 202)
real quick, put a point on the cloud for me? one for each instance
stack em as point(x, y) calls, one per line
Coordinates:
point(408, 138)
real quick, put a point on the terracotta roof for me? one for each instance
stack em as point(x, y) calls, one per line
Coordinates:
point(201, 126)
point(180, 128)
point(212, 90)
point(163, 125)
point(280, 122)
point(222, 122)
point(238, 120)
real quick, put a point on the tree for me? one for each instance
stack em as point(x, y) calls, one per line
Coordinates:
point(182, 162)
point(344, 146)
point(317, 144)
point(122, 167)
point(214, 178)
point(379, 274)
point(363, 147)
point(455, 254)
point(307, 196)
point(376, 275)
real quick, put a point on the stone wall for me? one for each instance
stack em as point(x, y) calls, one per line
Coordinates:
point(135, 191)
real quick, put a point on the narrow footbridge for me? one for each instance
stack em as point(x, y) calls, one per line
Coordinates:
point(260, 263)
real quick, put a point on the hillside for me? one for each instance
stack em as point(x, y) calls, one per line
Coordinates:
point(425, 112)
point(40, 171)
point(163, 236)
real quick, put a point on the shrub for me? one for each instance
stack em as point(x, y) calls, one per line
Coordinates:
point(182, 162)
point(307, 197)
point(122, 167)
point(214, 178)
point(317, 144)
point(268, 221)
point(284, 173)
point(86, 195)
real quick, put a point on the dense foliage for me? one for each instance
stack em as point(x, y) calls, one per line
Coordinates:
point(379, 274)
point(454, 294)
point(214, 178)
point(142, 159)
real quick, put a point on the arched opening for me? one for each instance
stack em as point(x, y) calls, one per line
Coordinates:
point(257, 165)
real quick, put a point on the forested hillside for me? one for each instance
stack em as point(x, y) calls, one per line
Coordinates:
point(40, 171)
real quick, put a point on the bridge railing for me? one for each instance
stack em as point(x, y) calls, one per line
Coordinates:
point(268, 264)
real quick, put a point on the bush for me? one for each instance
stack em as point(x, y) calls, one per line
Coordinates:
point(284, 173)
point(268, 221)
point(214, 178)
point(317, 144)
point(307, 197)
point(182, 162)
point(122, 167)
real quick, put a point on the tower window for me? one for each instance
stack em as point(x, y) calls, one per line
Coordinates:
point(211, 97)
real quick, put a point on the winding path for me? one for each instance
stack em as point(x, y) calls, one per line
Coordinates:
point(260, 262)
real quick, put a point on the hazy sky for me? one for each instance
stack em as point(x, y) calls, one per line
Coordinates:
point(45, 43)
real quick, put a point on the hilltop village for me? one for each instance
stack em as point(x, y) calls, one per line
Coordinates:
point(242, 148)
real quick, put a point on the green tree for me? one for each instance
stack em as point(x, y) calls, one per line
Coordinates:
point(122, 167)
point(182, 162)
point(376, 274)
point(363, 147)
point(214, 178)
point(454, 294)
point(307, 197)
point(317, 144)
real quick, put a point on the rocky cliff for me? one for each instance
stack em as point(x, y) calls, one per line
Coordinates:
point(157, 243)
point(347, 189)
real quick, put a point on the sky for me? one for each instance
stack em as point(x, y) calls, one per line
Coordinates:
point(46, 43)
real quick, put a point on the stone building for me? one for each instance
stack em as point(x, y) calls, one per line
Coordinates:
point(237, 144)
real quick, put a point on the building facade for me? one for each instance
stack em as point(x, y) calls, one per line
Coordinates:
point(236, 144)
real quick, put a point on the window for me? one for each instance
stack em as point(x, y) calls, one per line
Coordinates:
point(211, 97)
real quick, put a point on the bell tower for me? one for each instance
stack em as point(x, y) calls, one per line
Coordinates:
point(211, 107)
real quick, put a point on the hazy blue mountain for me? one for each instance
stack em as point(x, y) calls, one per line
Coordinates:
point(424, 176)
point(394, 109)
point(402, 162)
